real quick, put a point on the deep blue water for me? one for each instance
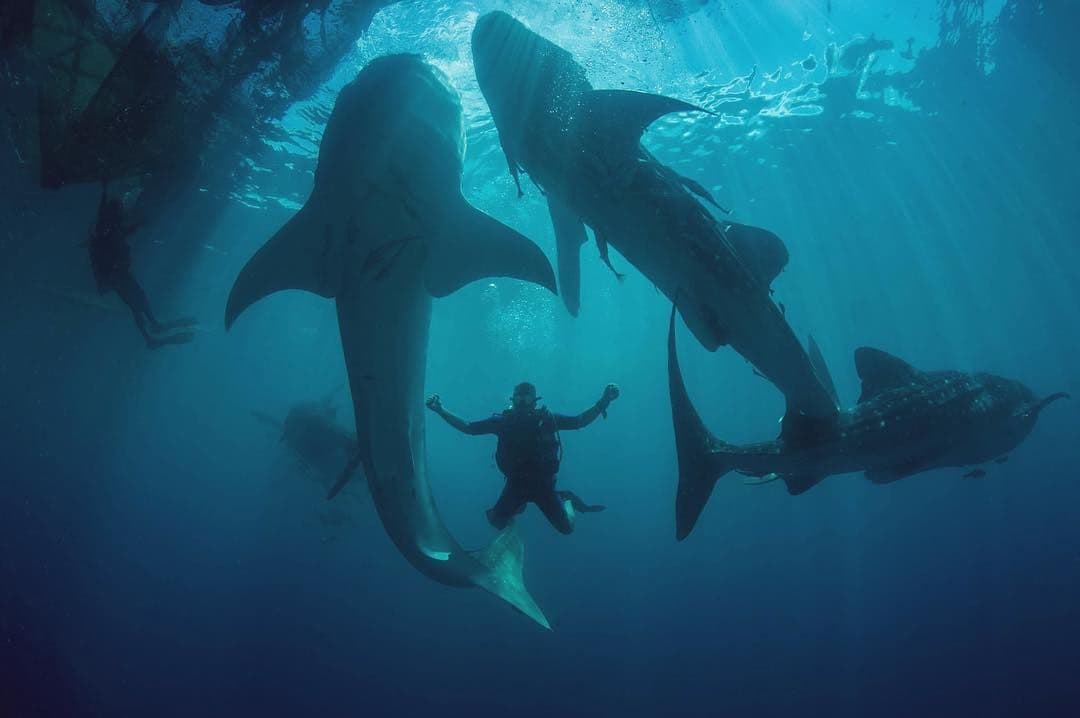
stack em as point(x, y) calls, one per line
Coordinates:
point(162, 554)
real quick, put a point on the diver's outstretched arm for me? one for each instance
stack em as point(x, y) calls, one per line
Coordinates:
point(472, 428)
point(611, 393)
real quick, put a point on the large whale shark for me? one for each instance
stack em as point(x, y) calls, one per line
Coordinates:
point(384, 230)
point(582, 148)
point(905, 422)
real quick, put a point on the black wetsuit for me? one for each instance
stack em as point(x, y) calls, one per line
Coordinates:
point(528, 455)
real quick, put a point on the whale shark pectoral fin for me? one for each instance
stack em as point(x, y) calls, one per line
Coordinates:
point(471, 246)
point(817, 361)
point(300, 256)
point(621, 116)
point(514, 167)
point(569, 236)
point(503, 558)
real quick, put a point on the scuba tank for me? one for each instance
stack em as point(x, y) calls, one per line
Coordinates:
point(529, 443)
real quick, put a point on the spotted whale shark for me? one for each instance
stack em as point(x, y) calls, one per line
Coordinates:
point(906, 422)
point(311, 430)
point(385, 230)
point(582, 148)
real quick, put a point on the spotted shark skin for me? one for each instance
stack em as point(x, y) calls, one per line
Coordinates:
point(905, 422)
point(582, 148)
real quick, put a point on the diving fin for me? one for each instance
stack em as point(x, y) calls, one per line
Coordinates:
point(471, 246)
point(182, 323)
point(170, 340)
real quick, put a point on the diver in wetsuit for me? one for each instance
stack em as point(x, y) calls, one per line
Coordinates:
point(110, 259)
point(528, 454)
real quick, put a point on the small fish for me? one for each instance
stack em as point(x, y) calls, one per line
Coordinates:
point(975, 474)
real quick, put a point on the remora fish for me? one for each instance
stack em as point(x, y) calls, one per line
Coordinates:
point(582, 147)
point(384, 230)
point(907, 421)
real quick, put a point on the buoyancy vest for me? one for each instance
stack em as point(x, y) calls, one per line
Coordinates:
point(528, 443)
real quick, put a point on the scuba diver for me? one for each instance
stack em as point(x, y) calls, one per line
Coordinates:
point(110, 259)
point(528, 454)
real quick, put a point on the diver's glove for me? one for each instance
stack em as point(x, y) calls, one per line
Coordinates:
point(611, 393)
point(434, 403)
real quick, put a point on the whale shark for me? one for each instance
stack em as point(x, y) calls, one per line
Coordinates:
point(311, 430)
point(906, 422)
point(582, 148)
point(384, 231)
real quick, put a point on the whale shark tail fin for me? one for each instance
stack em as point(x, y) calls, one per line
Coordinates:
point(503, 559)
point(298, 256)
point(702, 457)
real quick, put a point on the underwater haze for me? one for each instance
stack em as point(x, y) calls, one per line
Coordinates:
point(167, 550)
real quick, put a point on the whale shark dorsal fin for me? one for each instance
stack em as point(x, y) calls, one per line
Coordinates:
point(470, 245)
point(504, 559)
point(621, 116)
point(880, 371)
point(821, 368)
point(760, 250)
point(569, 236)
point(301, 255)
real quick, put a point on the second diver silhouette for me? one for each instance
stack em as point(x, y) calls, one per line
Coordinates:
point(110, 259)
